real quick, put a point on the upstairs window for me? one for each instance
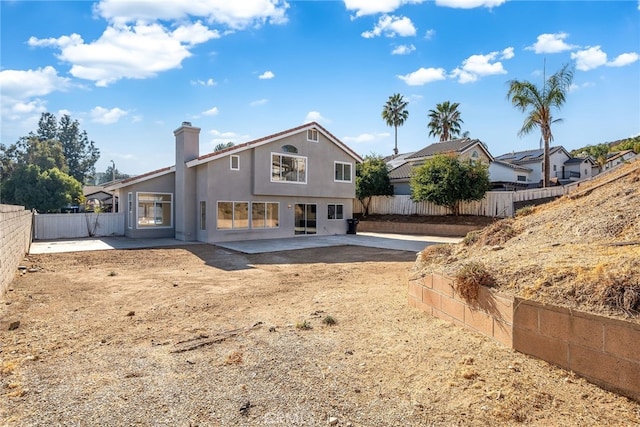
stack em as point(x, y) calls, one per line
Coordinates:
point(286, 168)
point(342, 171)
point(289, 149)
point(522, 178)
point(312, 135)
point(234, 163)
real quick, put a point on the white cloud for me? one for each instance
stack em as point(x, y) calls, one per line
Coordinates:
point(477, 66)
point(574, 87)
point(234, 14)
point(21, 91)
point(208, 82)
point(224, 137)
point(365, 137)
point(403, 49)
point(136, 52)
point(507, 53)
point(211, 112)
point(469, 4)
point(266, 75)
point(624, 59)
point(373, 7)
point(259, 102)
point(590, 58)
point(315, 116)
point(430, 34)
point(423, 76)
point(390, 26)
point(106, 116)
point(551, 43)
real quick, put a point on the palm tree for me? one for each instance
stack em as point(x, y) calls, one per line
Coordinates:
point(445, 121)
point(538, 103)
point(395, 114)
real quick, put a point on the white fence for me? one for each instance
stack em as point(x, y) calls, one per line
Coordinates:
point(494, 204)
point(73, 226)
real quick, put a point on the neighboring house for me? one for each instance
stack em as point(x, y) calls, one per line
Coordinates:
point(616, 158)
point(299, 181)
point(509, 176)
point(463, 148)
point(564, 168)
point(97, 199)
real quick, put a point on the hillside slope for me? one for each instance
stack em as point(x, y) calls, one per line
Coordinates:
point(580, 251)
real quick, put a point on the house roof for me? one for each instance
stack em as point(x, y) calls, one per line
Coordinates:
point(529, 156)
point(512, 166)
point(140, 178)
point(458, 146)
point(393, 162)
point(614, 155)
point(401, 172)
point(576, 160)
point(270, 138)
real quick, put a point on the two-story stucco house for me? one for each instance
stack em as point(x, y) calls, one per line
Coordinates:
point(564, 167)
point(464, 148)
point(296, 182)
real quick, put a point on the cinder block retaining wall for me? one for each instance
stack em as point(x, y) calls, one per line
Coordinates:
point(453, 230)
point(15, 238)
point(604, 351)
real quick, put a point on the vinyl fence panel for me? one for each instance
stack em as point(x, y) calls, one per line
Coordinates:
point(73, 226)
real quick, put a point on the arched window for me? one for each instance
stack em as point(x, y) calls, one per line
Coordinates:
point(289, 149)
point(474, 154)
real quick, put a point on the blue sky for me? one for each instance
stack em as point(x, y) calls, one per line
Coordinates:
point(131, 72)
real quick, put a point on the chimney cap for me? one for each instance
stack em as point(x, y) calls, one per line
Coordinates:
point(186, 123)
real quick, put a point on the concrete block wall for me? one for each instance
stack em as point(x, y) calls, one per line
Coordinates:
point(603, 350)
point(453, 230)
point(15, 238)
point(491, 316)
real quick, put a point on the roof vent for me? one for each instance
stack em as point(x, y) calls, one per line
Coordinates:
point(186, 123)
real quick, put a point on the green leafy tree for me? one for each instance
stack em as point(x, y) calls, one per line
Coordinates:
point(80, 154)
point(46, 191)
point(223, 146)
point(598, 152)
point(448, 181)
point(538, 103)
point(109, 174)
point(632, 143)
point(372, 179)
point(395, 113)
point(445, 121)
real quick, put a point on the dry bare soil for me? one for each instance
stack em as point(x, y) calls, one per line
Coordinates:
point(198, 335)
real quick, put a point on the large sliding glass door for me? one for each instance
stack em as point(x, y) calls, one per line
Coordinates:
point(305, 221)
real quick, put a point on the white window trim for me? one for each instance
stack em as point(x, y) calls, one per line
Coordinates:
point(313, 132)
point(335, 163)
point(306, 168)
point(138, 207)
point(231, 162)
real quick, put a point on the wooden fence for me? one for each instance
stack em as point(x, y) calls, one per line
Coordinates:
point(73, 226)
point(495, 203)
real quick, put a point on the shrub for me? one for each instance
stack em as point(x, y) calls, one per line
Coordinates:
point(468, 280)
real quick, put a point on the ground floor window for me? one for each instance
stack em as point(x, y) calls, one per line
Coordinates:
point(233, 215)
point(335, 211)
point(203, 215)
point(265, 215)
point(155, 210)
point(130, 210)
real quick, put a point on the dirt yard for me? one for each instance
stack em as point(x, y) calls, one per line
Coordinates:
point(203, 336)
